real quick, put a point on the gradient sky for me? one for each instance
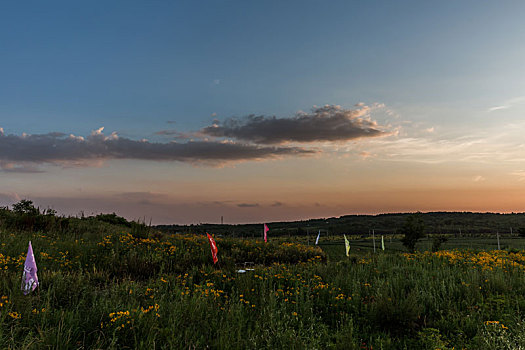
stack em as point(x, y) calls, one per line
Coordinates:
point(186, 111)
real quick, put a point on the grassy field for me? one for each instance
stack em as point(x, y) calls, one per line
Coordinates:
point(117, 290)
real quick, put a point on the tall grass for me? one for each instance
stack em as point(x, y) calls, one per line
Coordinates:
point(118, 290)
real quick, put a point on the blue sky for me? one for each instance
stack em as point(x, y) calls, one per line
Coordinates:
point(433, 75)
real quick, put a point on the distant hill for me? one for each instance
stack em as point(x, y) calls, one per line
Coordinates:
point(464, 223)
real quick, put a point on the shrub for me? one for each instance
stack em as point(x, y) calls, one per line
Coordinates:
point(413, 229)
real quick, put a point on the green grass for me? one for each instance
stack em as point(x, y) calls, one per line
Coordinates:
point(117, 291)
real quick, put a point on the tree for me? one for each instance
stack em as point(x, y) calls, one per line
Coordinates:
point(25, 206)
point(437, 241)
point(413, 229)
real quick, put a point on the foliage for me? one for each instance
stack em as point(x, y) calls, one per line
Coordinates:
point(437, 241)
point(413, 230)
point(449, 223)
point(104, 285)
point(113, 219)
point(25, 207)
point(24, 216)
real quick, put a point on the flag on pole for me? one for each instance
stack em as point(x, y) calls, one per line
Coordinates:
point(317, 239)
point(214, 249)
point(382, 243)
point(347, 246)
point(266, 229)
point(29, 277)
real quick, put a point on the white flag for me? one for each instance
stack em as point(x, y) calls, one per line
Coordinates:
point(347, 246)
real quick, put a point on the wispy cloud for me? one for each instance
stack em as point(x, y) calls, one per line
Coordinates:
point(508, 104)
point(497, 108)
point(175, 134)
point(478, 178)
point(11, 167)
point(520, 174)
point(329, 123)
point(501, 144)
point(248, 205)
point(22, 152)
point(365, 154)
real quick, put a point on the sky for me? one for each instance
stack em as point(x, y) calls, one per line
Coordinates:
point(258, 111)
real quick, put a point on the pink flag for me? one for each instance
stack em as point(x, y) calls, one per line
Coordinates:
point(266, 229)
point(29, 277)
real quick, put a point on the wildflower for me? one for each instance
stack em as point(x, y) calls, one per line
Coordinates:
point(15, 315)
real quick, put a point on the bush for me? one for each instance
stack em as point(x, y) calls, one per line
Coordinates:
point(437, 241)
point(413, 229)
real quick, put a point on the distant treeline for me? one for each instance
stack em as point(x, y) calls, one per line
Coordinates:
point(24, 216)
point(456, 223)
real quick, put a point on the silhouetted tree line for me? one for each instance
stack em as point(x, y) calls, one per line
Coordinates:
point(24, 216)
point(434, 223)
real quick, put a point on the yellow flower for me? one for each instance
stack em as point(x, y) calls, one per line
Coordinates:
point(15, 315)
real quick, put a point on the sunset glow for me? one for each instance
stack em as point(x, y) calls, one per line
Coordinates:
point(263, 111)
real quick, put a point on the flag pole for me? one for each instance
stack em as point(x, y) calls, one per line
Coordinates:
point(374, 239)
point(307, 236)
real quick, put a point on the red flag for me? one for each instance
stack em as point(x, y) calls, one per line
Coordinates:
point(266, 229)
point(214, 249)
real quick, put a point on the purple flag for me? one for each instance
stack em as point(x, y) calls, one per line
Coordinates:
point(29, 277)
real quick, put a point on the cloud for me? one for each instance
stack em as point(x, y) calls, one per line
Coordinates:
point(142, 198)
point(502, 145)
point(168, 132)
point(497, 108)
point(326, 124)
point(10, 167)
point(21, 153)
point(365, 155)
point(520, 174)
point(248, 205)
point(478, 178)
point(181, 135)
point(508, 104)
